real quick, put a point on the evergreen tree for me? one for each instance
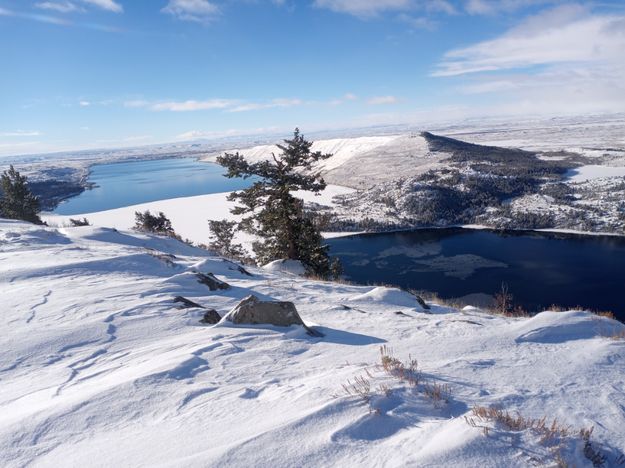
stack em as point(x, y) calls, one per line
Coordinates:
point(222, 235)
point(272, 213)
point(17, 201)
point(157, 224)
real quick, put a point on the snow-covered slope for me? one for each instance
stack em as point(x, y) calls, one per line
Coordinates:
point(362, 161)
point(189, 215)
point(342, 149)
point(98, 367)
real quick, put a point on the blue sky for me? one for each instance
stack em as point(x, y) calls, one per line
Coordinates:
point(80, 74)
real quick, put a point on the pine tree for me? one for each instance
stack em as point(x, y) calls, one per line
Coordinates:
point(17, 201)
point(272, 213)
point(222, 235)
point(157, 224)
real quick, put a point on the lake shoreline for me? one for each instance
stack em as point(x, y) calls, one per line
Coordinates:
point(476, 227)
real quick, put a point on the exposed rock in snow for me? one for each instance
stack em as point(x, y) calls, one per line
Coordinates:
point(252, 311)
point(211, 317)
point(214, 284)
point(186, 303)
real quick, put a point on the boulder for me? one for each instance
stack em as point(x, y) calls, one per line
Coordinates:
point(211, 317)
point(253, 311)
point(211, 281)
point(421, 302)
point(186, 303)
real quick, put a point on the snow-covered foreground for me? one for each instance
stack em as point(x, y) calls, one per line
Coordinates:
point(98, 367)
point(189, 215)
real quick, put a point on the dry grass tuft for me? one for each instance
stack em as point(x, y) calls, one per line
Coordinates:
point(360, 387)
point(407, 372)
point(551, 435)
point(375, 382)
point(606, 314)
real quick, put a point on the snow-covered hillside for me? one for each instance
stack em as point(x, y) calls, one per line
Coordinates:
point(190, 215)
point(362, 161)
point(99, 367)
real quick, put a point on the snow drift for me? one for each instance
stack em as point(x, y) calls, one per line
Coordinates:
point(99, 367)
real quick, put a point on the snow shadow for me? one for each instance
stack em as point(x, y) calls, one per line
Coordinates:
point(333, 335)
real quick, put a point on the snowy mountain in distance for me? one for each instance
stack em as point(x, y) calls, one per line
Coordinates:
point(100, 367)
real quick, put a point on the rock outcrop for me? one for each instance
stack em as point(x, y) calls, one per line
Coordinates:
point(253, 311)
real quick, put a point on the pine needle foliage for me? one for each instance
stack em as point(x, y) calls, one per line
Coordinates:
point(156, 224)
point(222, 240)
point(273, 214)
point(16, 200)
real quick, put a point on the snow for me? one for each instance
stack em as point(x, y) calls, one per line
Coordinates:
point(341, 149)
point(189, 215)
point(591, 172)
point(388, 296)
point(290, 267)
point(98, 367)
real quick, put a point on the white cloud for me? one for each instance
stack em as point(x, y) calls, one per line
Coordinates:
point(417, 22)
point(20, 133)
point(136, 138)
point(372, 8)
point(342, 100)
point(109, 5)
point(363, 8)
point(200, 11)
point(491, 7)
point(381, 100)
point(196, 134)
point(136, 103)
point(191, 135)
point(49, 19)
point(564, 35)
point(442, 6)
point(84, 103)
point(563, 61)
point(251, 106)
point(191, 105)
point(10, 149)
point(59, 7)
point(239, 105)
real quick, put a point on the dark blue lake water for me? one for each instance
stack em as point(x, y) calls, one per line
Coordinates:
point(130, 183)
point(539, 269)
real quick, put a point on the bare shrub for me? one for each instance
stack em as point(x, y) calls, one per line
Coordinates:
point(373, 384)
point(360, 387)
point(551, 435)
point(503, 300)
point(504, 304)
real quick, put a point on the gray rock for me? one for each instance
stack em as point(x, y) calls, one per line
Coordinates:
point(211, 317)
point(419, 299)
point(252, 310)
point(187, 303)
point(211, 281)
